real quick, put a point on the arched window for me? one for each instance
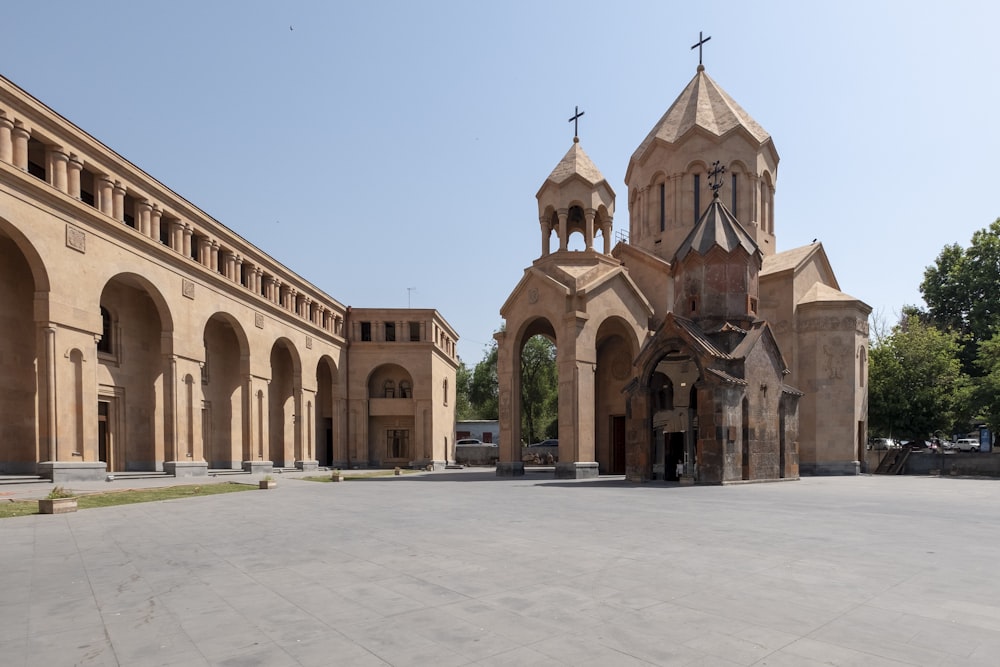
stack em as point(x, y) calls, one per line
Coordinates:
point(404, 389)
point(390, 389)
point(444, 386)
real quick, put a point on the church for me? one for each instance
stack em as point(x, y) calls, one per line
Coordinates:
point(140, 335)
point(693, 350)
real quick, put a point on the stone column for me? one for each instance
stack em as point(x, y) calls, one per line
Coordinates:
point(588, 231)
point(177, 235)
point(238, 271)
point(143, 209)
point(105, 200)
point(606, 230)
point(55, 167)
point(118, 202)
point(213, 256)
point(155, 217)
point(19, 138)
point(563, 236)
point(204, 248)
point(546, 233)
point(187, 232)
point(6, 143)
point(228, 263)
point(74, 169)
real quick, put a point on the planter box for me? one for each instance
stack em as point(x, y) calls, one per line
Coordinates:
point(268, 484)
point(56, 505)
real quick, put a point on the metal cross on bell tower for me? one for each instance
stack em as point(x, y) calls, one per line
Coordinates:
point(575, 119)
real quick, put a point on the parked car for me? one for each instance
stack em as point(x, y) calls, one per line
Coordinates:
point(551, 442)
point(883, 443)
point(967, 445)
point(469, 442)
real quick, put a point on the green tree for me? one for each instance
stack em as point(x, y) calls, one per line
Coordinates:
point(962, 292)
point(484, 388)
point(463, 408)
point(916, 382)
point(539, 389)
point(988, 387)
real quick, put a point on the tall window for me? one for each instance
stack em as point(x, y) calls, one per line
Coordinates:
point(404, 389)
point(389, 389)
point(398, 442)
point(104, 345)
point(663, 206)
point(366, 331)
point(414, 332)
point(733, 207)
point(697, 196)
point(390, 331)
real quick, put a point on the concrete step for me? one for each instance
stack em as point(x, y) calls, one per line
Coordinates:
point(21, 479)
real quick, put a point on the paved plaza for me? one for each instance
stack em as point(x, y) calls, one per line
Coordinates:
point(464, 568)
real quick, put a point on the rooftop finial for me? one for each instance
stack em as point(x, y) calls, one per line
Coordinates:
point(701, 41)
point(575, 119)
point(715, 178)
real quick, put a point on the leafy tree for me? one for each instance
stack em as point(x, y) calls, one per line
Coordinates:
point(916, 382)
point(539, 389)
point(988, 388)
point(484, 388)
point(962, 291)
point(463, 408)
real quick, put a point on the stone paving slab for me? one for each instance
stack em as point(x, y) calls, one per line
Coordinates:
point(464, 568)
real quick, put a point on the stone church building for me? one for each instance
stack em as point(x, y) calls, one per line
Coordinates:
point(139, 334)
point(694, 350)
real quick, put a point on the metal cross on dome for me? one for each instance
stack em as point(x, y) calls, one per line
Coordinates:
point(575, 119)
point(715, 177)
point(701, 41)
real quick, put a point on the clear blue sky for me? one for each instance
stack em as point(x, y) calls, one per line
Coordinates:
point(380, 146)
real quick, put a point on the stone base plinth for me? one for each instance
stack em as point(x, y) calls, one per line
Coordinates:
point(258, 467)
point(686, 480)
point(186, 468)
point(829, 468)
point(510, 469)
point(73, 471)
point(307, 465)
point(577, 470)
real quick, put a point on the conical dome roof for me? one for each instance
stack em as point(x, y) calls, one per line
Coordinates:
point(576, 163)
point(702, 103)
point(717, 227)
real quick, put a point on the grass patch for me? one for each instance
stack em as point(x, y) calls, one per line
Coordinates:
point(127, 497)
point(361, 474)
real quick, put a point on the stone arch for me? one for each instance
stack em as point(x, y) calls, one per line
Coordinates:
point(615, 348)
point(392, 436)
point(22, 276)
point(536, 326)
point(137, 372)
point(284, 393)
point(225, 368)
point(669, 377)
point(330, 449)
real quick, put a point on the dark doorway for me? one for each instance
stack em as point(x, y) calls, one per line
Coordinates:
point(103, 408)
point(675, 455)
point(327, 441)
point(617, 445)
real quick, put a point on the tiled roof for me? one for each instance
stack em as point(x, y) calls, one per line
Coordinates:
point(576, 163)
point(716, 227)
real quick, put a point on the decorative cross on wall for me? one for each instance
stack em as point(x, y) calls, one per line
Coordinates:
point(715, 177)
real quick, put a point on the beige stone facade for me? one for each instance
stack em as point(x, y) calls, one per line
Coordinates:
point(693, 342)
point(139, 334)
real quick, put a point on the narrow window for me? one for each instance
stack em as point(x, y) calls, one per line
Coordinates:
point(389, 389)
point(390, 331)
point(366, 331)
point(414, 332)
point(36, 158)
point(104, 345)
point(697, 196)
point(663, 207)
point(128, 215)
point(734, 195)
point(404, 390)
point(444, 386)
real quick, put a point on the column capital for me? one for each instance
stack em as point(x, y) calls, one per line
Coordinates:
point(19, 131)
point(5, 122)
point(75, 162)
point(119, 187)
